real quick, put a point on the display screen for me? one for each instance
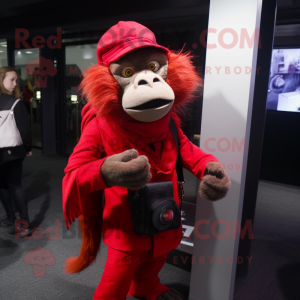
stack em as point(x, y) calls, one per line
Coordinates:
point(284, 81)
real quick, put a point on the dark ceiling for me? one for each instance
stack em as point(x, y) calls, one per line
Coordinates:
point(57, 13)
point(32, 14)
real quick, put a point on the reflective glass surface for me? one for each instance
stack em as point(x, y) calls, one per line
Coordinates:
point(26, 63)
point(78, 59)
point(3, 53)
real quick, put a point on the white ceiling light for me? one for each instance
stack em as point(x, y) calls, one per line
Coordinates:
point(29, 52)
point(87, 54)
point(74, 98)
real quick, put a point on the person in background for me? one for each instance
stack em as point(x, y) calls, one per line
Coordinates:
point(33, 101)
point(27, 95)
point(279, 84)
point(291, 80)
point(11, 158)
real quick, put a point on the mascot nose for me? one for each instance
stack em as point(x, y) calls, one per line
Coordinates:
point(147, 79)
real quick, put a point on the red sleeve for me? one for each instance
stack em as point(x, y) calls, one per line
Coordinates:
point(89, 155)
point(83, 181)
point(193, 158)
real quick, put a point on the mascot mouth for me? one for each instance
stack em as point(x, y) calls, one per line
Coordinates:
point(155, 103)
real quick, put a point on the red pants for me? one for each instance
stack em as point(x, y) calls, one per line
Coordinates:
point(132, 273)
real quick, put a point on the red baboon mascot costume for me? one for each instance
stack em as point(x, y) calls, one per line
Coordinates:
point(125, 143)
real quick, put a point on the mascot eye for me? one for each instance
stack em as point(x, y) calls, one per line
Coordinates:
point(127, 72)
point(154, 66)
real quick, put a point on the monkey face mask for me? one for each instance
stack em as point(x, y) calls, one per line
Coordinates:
point(142, 74)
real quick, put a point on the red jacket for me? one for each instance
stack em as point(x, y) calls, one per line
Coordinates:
point(83, 182)
point(27, 94)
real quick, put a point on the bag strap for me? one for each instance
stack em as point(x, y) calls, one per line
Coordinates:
point(179, 168)
point(16, 102)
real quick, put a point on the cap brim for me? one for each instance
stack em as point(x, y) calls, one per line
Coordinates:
point(123, 48)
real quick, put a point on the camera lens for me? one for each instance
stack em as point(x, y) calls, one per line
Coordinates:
point(166, 216)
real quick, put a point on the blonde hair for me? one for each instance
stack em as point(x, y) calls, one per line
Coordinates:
point(3, 90)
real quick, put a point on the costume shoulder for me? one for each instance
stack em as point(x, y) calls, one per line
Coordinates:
point(88, 147)
point(87, 151)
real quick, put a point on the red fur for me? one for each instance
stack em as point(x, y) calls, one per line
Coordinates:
point(101, 88)
point(183, 79)
point(91, 228)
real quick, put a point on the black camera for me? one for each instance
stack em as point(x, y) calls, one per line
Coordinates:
point(154, 209)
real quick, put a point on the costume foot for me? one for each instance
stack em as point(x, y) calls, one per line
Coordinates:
point(170, 295)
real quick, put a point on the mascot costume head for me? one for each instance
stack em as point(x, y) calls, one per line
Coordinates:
point(133, 93)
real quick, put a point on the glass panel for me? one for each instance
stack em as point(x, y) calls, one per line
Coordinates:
point(26, 62)
point(78, 59)
point(3, 53)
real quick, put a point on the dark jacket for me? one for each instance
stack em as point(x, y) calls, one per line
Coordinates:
point(22, 121)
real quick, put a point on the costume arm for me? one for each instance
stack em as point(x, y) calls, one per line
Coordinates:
point(193, 158)
point(88, 153)
point(83, 181)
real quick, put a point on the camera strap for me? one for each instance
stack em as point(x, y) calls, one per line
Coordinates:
point(179, 168)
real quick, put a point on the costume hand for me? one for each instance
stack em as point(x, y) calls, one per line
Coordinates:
point(215, 182)
point(170, 295)
point(126, 169)
point(29, 153)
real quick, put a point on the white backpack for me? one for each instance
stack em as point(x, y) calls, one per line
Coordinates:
point(9, 132)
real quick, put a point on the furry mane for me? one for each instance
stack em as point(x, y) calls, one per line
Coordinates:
point(184, 80)
point(100, 87)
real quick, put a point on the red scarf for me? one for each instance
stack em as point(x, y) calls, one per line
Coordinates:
point(140, 135)
point(135, 131)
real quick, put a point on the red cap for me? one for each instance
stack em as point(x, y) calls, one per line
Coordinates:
point(123, 38)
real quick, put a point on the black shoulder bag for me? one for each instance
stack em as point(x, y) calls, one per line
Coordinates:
point(154, 209)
